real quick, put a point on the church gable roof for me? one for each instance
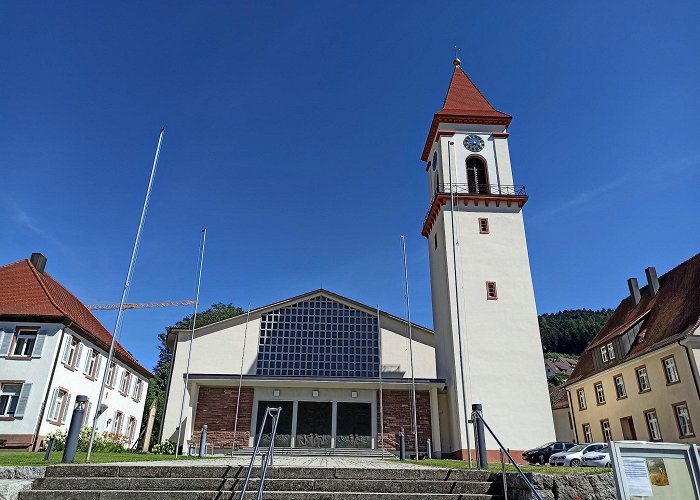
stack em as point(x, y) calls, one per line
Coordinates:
point(672, 314)
point(464, 103)
point(30, 295)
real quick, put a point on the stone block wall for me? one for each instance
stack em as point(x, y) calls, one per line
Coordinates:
point(216, 407)
point(398, 413)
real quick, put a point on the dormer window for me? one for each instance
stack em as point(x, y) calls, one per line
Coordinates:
point(604, 354)
point(611, 351)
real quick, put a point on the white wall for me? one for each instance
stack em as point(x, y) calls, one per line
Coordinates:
point(37, 371)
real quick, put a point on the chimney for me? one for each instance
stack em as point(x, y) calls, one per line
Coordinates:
point(634, 290)
point(652, 280)
point(38, 261)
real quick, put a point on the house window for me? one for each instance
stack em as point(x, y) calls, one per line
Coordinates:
point(70, 353)
point(476, 175)
point(587, 435)
point(491, 292)
point(124, 382)
point(112, 374)
point(670, 370)
point(136, 390)
point(91, 363)
point(581, 399)
point(653, 425)
point(24, 343)
point(607, 433)
point(483, 225)
point(620, 387)
point(118, 421)
point(599, 393)
point(685, 426)
point(9, 397)
point(131, 428)
point(643, 379)
point(611, 352)
point(58, 405)
point(604, 354)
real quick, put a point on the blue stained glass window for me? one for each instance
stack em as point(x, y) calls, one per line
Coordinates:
point(316, 334)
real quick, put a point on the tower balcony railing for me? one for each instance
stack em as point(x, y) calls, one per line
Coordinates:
point(477, 192)
point(482, 189)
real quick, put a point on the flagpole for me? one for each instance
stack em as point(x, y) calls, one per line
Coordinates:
point(457, 301)
point(381, 393)
point(410, 344)
point(125, 294)
point(189, 352)
point(240, 380)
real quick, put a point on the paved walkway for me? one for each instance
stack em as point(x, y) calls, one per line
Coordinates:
point(340, 462)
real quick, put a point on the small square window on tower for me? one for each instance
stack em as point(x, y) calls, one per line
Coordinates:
point(436, 241)
point(483, 225)
point(491, 292)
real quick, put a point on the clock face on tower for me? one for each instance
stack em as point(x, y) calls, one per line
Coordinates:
point(474, 143)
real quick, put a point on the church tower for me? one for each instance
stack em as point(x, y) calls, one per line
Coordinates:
point(482, 290)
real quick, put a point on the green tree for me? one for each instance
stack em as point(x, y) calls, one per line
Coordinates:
point(570, 331)
point(156, 387)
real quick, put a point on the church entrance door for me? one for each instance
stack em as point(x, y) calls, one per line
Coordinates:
point(314, 424)
point(284, 426)
point(354, 425)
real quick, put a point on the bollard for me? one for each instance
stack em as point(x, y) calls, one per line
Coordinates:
point(430, 450)
point(479, 437)
point(76, 422)
point(49, 449)
point(203, 442)
point(402, 444)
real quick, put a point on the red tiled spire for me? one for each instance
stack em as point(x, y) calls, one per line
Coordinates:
point(464, 103)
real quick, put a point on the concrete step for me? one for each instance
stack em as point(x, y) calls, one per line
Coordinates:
point(218, 495)
point(223, 472)
point(298, 485)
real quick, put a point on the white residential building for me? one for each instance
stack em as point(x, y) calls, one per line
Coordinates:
point(52, 349)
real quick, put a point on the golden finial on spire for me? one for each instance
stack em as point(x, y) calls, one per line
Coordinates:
point(456, 60)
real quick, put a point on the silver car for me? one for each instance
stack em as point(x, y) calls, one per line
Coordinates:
point(573, 457)
point(599, 458)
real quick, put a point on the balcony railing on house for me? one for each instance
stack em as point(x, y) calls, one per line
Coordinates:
point(482, 189)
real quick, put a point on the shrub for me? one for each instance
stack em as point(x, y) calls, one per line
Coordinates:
point(164, 448)
point(107, 442)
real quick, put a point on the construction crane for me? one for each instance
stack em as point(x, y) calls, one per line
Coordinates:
point(142, 305)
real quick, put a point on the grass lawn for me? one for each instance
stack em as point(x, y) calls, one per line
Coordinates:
point(37, 458)
point(496, 467)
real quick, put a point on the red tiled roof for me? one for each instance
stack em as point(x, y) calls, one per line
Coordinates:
point(27, 293)
point(558, 398)
point(464, 103)
point(668, 317)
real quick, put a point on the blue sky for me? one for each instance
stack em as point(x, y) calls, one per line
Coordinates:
point(294, 132)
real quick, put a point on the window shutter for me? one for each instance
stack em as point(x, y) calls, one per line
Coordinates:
point(23, 400)
point(5, 342)
point(39, 344)
point(66, 349)
point(51, 405)
point(77, 357)
point(99, 365)
point(66, 409)
point(114, 422)
point(87, 360)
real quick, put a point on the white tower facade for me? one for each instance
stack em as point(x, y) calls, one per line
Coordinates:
point(482, 290)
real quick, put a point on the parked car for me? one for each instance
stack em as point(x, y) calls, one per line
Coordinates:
point(541, 454)
point(573, 456)
point(598, 458)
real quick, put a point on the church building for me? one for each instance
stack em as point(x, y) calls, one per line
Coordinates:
point(341, 370)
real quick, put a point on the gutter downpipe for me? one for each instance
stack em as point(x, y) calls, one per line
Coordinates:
point(693, 366)
point(571, 412)
point(35, 438)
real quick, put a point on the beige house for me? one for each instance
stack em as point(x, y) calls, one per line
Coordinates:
point(561, 414)
point(638, 378)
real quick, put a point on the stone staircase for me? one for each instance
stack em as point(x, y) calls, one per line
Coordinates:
point(202, 482)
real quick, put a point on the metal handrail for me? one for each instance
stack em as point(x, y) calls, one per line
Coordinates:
point(274, 414)
point(490, 189)
point(503, 448)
